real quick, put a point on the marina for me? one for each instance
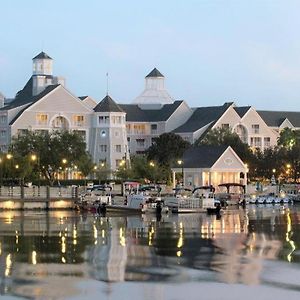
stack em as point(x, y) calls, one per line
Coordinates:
point(72, 255)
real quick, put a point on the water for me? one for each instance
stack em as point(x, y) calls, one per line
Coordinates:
point(252, 253)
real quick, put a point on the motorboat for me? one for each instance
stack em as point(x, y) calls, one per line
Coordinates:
point(232, 198)
point(95, 197)
point(201, 199)
point(144, 200)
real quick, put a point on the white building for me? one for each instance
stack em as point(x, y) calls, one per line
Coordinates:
point(112, 130)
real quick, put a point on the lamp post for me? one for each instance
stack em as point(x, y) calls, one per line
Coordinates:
point(152, 165)
point(64, 161)
point(180, 163)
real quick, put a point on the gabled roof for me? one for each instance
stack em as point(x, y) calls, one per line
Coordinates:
point(42, 55)
point(107, 104)
point(22, 97)
point(201, 117)
point(275, 118)
point(202, 156)
point(82, 97)
point(135, 114)
point(241, 111)
point(154, 73)
point(34, 99)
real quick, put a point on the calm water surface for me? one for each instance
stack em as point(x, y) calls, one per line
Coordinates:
point(252, 253)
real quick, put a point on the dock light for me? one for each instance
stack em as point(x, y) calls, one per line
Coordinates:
point(64, 161)
point(9, 156)
point(33, 157)
point(274, 170)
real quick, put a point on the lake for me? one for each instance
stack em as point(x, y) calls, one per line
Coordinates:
point(246, 253)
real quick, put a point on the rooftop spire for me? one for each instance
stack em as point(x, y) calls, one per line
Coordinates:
point(42, 55)
point(155, 73)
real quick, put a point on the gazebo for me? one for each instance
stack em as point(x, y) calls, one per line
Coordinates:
point(210, 165)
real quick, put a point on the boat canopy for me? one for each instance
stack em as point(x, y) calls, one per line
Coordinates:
point(228, 185)
point(205, 187)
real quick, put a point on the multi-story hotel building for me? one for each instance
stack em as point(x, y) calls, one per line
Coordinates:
point(112, 130)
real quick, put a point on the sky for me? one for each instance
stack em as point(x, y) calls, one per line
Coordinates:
point(210, 51)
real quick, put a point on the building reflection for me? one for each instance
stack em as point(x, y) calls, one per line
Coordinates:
point(61, 248)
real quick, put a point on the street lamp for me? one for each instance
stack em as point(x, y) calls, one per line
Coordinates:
point(64, 161)
point(152, 165)
point(180, 163)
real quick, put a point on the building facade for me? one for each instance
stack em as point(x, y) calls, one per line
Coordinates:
point(112, 131)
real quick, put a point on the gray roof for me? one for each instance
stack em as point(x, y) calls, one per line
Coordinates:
point(242, 110)
point(275, 118)
point(107, 104)
point(135, 114)
point(201, 117)
point(23, 96)
point(202, 156)
point(155, 73)
point(82, 97)
point(42, 55)
point(34, 99)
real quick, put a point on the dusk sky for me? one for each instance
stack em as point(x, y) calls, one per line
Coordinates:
point(210, 52)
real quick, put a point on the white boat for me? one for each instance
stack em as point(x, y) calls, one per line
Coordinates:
point(143, 201)
point(95, 197)
point(201, 199)
point(232, 198)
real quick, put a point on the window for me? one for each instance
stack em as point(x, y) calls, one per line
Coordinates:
point(2, 133)
point(267, 142)
point(41, 131)
point(225, 126)
point(140, 152)
point(42, 119)
point(140, 142)
point(128, 139)
point(103, 120)
point(78, 120)
point(82, 133)
point(255, 128)
point(118, 148)
point(116, 119)
point(153, 128)
point(117, 133)
point(119, 163)
point(22, 131)
point(139, 129)
point(103, 148)
point(3, 119)
point(255, 142)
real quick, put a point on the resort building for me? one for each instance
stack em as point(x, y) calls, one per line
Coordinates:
point(113, 131)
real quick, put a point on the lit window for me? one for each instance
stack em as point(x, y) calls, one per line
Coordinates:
point(78, 120)
point(42, 119)
point(103, 133)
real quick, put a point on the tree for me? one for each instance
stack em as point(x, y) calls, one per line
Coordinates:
point(288, 138)
point(225, 136)
point(54, 151)
point(167, 148)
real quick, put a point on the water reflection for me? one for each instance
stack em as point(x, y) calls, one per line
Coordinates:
point(52, 253)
